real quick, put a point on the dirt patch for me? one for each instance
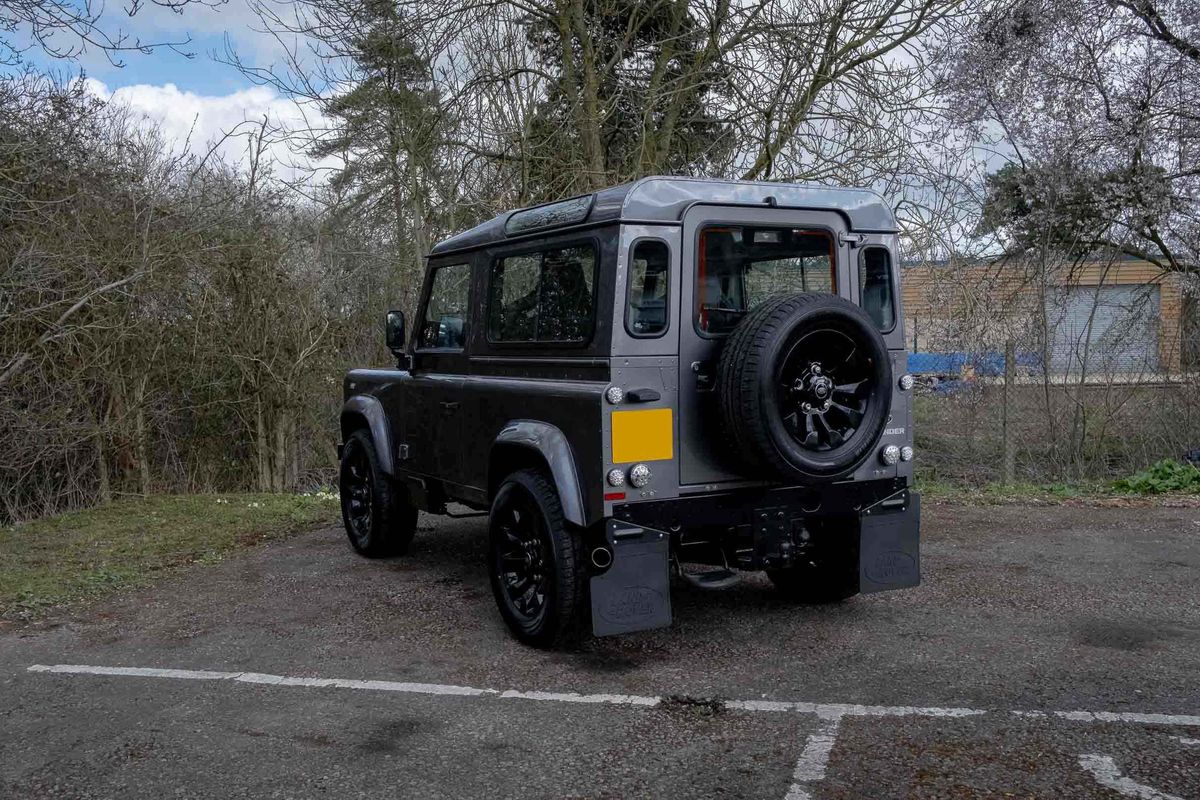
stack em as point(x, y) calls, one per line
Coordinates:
point(1120, 634)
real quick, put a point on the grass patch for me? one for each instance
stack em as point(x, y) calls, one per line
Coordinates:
point(86, 554)
point(999, 493)
point(1119, 494)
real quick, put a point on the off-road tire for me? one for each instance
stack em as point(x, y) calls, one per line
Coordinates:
point(564, 617)
point(392, 520)
point(746, 390)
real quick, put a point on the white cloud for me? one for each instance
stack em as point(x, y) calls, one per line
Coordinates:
point(198, 122)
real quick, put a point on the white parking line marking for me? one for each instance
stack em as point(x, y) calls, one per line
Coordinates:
point(1189, 720)
point(838, 710)
point(136, 672)
point(572, 697)
point(257, 677)
point(1106, 773)
point(827, 711)
point(810, 767)
point(1185, 740)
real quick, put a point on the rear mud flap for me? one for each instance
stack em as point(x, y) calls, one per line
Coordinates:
point(889, 555)
point(634, 594)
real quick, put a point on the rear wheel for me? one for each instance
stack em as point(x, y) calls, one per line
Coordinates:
point(536, 572)
point(805, 584)
point(828, 575)
point(379, 519)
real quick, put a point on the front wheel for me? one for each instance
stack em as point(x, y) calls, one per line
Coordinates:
point(379, 519)
point(536, 572)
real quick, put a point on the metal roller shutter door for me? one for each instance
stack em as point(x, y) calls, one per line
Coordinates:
point(1123, 332)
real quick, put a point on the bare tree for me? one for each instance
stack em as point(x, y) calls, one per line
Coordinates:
point(1092, 104)
point(65, 30)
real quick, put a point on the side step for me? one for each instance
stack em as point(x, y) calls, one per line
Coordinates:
point(713, 579)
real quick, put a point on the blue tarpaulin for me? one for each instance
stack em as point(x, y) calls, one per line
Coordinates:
point(987, 364)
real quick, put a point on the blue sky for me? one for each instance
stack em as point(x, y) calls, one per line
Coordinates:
point(206, 26)
point(193, 100)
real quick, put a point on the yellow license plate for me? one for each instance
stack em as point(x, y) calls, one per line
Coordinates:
point(647, 435)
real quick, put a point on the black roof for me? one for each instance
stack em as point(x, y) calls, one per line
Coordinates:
point(659, 199)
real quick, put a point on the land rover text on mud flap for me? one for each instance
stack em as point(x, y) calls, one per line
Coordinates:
point(673, 376)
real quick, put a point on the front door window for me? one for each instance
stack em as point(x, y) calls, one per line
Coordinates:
point(445, 323)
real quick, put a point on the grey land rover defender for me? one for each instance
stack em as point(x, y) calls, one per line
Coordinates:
point(664, 374)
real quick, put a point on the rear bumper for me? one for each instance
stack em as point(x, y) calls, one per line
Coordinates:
point(742, 506)
point(880, 544)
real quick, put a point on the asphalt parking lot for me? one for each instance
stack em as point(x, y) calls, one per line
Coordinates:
point(1050, 652)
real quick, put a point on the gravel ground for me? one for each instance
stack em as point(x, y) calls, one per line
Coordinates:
point(1050, 608)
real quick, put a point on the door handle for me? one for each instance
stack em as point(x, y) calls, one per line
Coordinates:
point(449, 405)
point(642, 395)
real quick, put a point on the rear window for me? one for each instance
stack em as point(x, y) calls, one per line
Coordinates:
point(738, 267)
point(543, 297)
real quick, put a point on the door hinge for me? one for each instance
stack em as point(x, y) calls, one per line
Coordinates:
point(402, 453)
point(852, 239)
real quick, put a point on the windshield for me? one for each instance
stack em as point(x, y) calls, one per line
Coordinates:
point(740, 266)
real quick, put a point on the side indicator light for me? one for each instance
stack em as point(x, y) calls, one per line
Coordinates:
point(614, 495)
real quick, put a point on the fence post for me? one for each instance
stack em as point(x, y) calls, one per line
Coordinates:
point(1006, 434)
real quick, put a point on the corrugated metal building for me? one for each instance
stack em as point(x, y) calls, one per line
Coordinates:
point(1114, 318)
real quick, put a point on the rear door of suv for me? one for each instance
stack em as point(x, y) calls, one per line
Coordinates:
point(733, 258)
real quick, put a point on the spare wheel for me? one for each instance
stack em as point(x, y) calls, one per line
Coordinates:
point(805, 387)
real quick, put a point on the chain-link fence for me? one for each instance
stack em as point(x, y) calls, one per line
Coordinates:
point(1051, 371)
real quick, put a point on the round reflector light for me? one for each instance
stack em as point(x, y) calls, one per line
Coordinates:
point(639, 476)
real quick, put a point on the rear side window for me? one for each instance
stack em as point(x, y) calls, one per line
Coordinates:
point(543, 297)
point(646, 309)
point(445, 322)
point(875, 291)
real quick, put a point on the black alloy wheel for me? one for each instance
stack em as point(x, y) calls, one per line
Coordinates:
point(378, 517)
point(823, 387)
point(357, 497)
point(524, 563)
point(536, 576)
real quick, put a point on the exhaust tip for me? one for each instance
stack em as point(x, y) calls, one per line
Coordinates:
point(602, 558)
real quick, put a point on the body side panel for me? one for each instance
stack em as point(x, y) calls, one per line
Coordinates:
point(551, 413)
point(374, 395)
point(660, 374)
point(666, 344)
